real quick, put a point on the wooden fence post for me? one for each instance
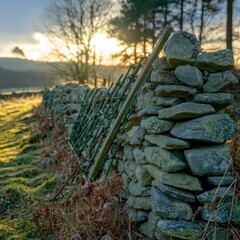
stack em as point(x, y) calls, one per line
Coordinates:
point(113, 131)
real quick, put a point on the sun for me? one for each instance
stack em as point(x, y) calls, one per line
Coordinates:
point(105, 46)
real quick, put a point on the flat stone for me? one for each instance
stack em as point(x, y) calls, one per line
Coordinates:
point(176, 193)
point(162, 64)
point(217, 100)
point(215, 61)
point(149, 111)
point(130, 167)
point(185, 110)
point(136, 189)
point(167, 142)
point(175, 91)
point(178, 180)
point(143, 176)
point(220, 81)
point(136, 135)
point(167, 161)
point(137, 216)
point(216, 128)
point(143, 203)
point(156, 125)
point(139, 156)
point(164, 78)
point(169, 208)
point(223, 214)
point(180, 229)
point(146, 99)
point(221, 180)
point(215, 195)
point(128, 153)
point(213, 160)
point(168, 101)
point(189, 75)
point(181, 48)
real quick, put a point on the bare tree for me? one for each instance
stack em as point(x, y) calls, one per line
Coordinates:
point(70, 26)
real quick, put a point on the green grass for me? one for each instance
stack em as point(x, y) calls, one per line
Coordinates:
point(23, 182)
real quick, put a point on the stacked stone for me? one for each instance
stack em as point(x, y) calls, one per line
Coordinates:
point(66, 101)
point(176, 166)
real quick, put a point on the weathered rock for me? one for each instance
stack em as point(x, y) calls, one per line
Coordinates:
point(136, 135)
point(168, 101)
point(149, 111)
point(155, 125)
point(136, 189)
point(185, 110)
point(128, 153)
point(137, 216)
point(216, 233)
point(134, 119)
point(139, 156)
point(215, 61)
point(216, 128)
point(121, 167)
point(215, 194)
point(166, 161)
point(162, 64)
point(189, 75)
point(146, 99)
point(175, 91)
point(180, 229)
point(130, 167)
point(167, 142)
point(143, 176)
point(179, 180)
point(181, 48)
point(125, 180)
point(213, 160)
point(217, 100)
point(179, 194)
point(169, 208)
point(164, 78)
point(143, 203)
point(221, 180)
point(219, 82)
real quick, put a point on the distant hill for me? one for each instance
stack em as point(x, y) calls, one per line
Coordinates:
point(18, 64)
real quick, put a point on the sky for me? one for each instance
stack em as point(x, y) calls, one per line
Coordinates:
point(20, 20)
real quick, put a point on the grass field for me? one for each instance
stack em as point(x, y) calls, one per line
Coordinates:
point(23, 182)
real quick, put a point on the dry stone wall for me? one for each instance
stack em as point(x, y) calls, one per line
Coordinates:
point(176, 167)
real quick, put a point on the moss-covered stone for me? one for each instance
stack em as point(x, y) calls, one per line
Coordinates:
point(179, 180)
point(143, 176)
point(149, 111)
point(168, 101)
point(189, 75)
point(215, 61)
point(167, 142)
point(215, 194)
point(164, 78)
point(130, 167)
point(143, 203)
point(181, 48)
point(162, 64)
point(137, 216)
point(167, 161)
point(139, 156)
point(180, 229)
point(169, 208)
point(219, 82)
point(175, 91)
point(185, 110)
point(136, 189)
point(221, 180)
point(215, 128)
point(156, 125)
point(213, 160)
point(217, 100)
point(176, 193)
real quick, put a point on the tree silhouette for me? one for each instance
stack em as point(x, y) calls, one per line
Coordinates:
point(18, 52)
